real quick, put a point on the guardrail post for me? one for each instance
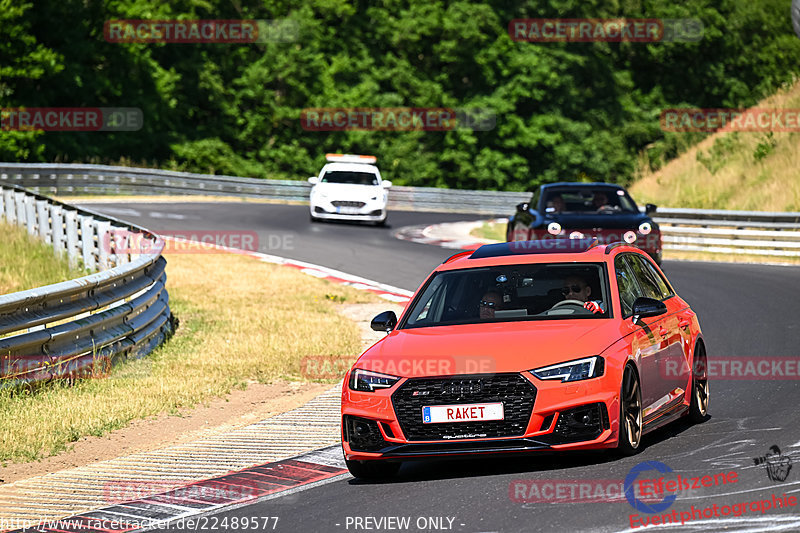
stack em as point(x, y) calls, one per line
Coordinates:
point(71, 222)
point(19, 205)
point(111, 242)
point(57, 222)
point(30, 214)
point(87, 241)
point(103, 244)
point(10, 209)
point(43, 217)
point(121, 245)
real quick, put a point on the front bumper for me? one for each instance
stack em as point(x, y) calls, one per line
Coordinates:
point(359, 217)
point(371, 430)
point(372, 211)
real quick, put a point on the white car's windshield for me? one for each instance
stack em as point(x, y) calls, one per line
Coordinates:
point(511, 292)
point(355, 178)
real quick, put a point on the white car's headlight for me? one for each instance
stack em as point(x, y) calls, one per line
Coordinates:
point(588, 367)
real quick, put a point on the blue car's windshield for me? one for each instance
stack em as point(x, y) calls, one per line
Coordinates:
point(586, 201)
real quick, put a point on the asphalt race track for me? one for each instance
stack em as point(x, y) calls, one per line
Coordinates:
point(744, 310)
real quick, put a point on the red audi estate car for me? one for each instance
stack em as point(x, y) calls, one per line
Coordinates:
point(523, 347)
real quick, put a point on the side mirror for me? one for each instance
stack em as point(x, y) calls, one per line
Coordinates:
point(644, 307)
point(313, 180)
point(650, 208)
point(385, 321)
point(523, 207)
point(386, 184)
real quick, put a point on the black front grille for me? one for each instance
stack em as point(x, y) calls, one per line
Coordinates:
point(516, 393)
point(347, 203)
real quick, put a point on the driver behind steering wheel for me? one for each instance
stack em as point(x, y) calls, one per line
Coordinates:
point(576, 288)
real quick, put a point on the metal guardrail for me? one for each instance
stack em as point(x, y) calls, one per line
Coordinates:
point(708, 230)
point(62, 179)
point(730, 232)
point(81, 327)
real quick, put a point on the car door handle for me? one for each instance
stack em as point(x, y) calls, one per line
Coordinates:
point(662, 331)
point(684, 323)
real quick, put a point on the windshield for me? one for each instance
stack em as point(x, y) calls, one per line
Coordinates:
point(356, 178)
point(585, 200)
point(511, 293)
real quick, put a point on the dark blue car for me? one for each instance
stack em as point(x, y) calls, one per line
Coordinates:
point(579, 210)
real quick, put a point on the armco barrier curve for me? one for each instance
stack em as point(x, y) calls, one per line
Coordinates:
point(80, 327)
point(706, 230)
point(63, 179)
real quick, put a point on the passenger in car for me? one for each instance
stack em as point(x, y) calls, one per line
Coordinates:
point(556, 204)
point(600, 201)
point(490, 302)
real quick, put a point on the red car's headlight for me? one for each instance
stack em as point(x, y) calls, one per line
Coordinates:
point(368, 381)
point(588, 367)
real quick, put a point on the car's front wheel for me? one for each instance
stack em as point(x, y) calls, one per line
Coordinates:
point(630, 413)
point(372, 469)
point(698, 408)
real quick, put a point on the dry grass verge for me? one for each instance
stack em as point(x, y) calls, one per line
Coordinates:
point(242, 320)
point(732, 170)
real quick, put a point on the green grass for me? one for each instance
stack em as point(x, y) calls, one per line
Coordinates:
point(26, 262)
point(490, 230)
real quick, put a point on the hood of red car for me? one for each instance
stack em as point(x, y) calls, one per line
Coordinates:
point(485, 348)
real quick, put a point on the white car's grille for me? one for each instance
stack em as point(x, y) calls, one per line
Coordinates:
point(347, 203)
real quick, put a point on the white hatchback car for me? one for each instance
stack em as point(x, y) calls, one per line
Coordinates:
point(349, 187)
